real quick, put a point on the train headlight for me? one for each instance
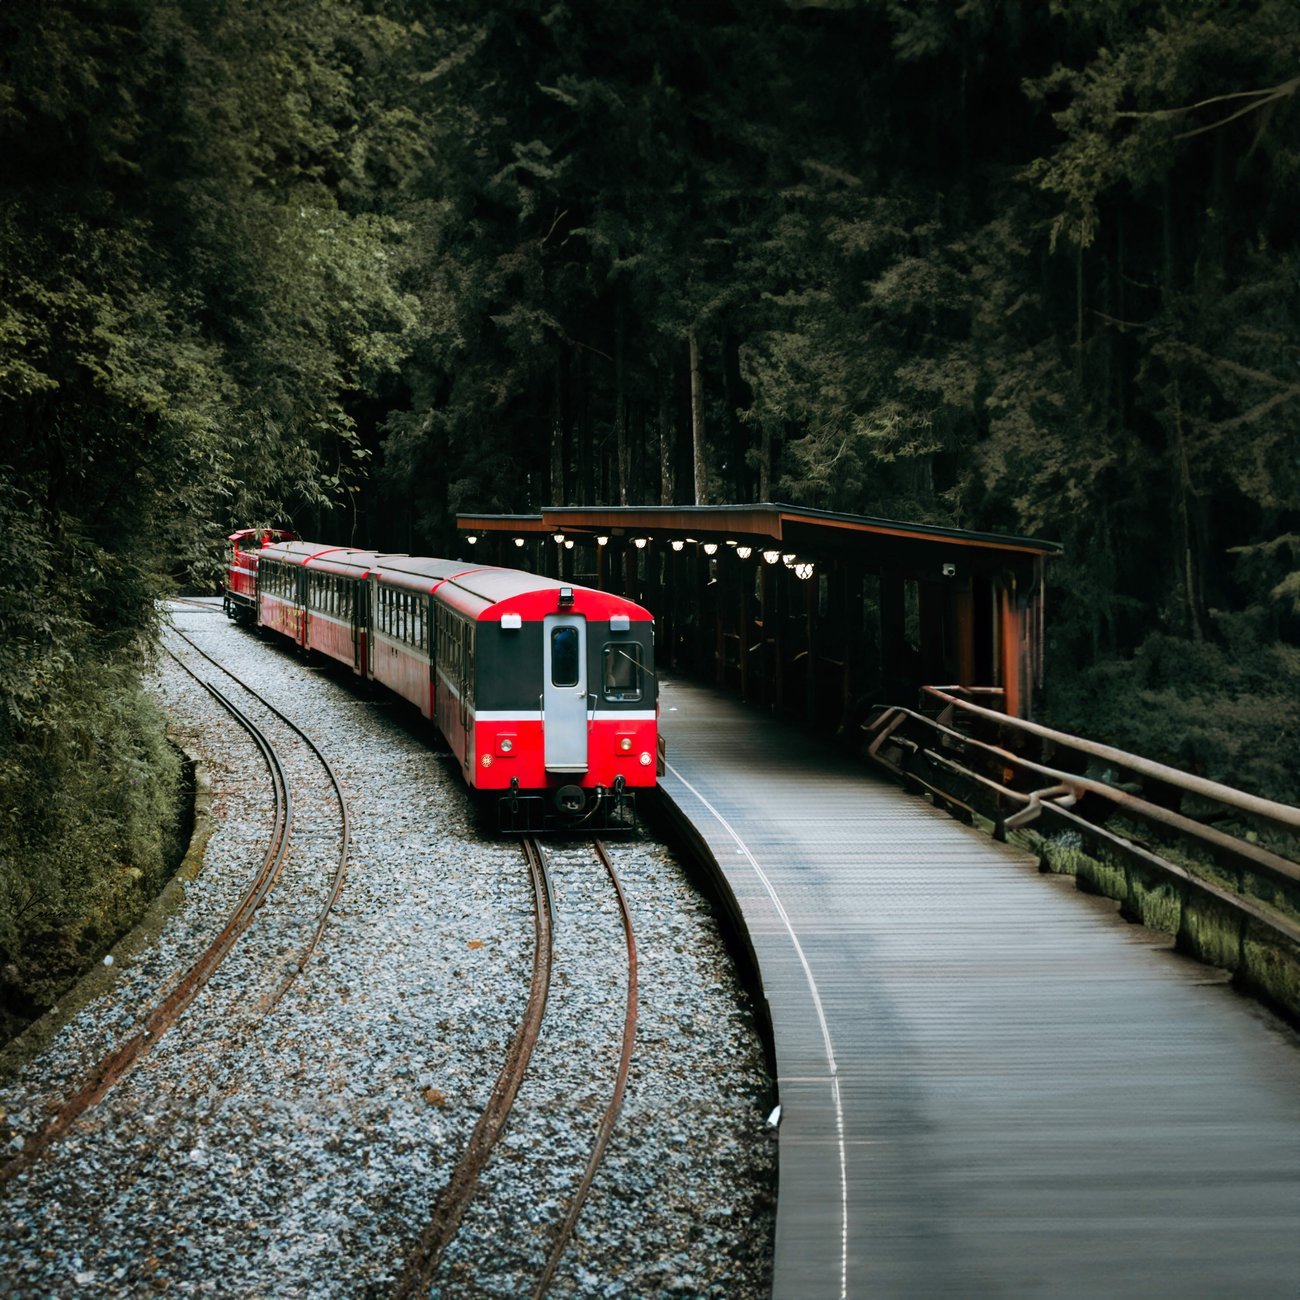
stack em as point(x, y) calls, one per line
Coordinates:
point(625, 743)
point(506, 744)
point(646, 760)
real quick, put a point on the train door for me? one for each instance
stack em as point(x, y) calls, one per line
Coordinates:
point(369, 626)
point(356, 597)
point(300, 595)
point(465, 682)
point(564, 693)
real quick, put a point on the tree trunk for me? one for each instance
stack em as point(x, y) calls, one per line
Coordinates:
point(765, 463)
point(697, 419)
point(1190, 561)
point(620, 400)
point(557, 495)
point(667, 485)
point(584, 450)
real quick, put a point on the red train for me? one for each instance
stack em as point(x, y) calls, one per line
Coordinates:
point(545, 691)
point(240, 596)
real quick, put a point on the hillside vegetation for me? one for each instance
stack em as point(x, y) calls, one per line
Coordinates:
point(359, 264)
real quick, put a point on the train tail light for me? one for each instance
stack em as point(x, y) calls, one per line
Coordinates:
point(645, 760)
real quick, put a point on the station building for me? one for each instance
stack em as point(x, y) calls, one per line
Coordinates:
point(812, 613)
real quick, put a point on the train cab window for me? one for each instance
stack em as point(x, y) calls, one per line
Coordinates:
point(564, 656)
point(621, 671)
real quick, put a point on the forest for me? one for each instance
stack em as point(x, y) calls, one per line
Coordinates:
point(355, 265)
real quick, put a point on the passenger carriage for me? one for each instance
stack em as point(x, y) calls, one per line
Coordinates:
point(544, 691)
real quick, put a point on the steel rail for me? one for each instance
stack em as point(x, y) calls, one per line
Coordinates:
point(340, 871)
point(425, 1256)
point(194, 603)
point(116, 1064)
point(610, 1117)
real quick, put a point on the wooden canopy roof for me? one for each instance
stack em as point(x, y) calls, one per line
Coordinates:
point(812, 533)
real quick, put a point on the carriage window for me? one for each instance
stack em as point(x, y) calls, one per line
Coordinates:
point(564, 656)
point(621, 671)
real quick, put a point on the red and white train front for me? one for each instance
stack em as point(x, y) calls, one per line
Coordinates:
point(564, 693)
point(239, 598)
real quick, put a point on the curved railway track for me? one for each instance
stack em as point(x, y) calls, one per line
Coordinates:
point(340, 870)
point(423, 1262)
point(164, 1014)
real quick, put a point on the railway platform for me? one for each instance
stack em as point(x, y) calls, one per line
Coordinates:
point(991, 1085)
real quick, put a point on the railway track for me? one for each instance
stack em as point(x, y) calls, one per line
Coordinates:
point(156, 1020)
point(301, 1152)
point(339, 872)
point(436, 1242)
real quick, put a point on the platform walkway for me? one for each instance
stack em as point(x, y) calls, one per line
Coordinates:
point(990, 1084)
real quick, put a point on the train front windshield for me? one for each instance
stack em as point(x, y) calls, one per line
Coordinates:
point(621, 672)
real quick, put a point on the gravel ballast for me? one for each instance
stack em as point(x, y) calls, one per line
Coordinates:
point(297, 1149)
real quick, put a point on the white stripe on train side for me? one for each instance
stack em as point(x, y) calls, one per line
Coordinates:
point(535, 715)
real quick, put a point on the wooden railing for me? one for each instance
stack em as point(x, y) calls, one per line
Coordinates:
point(1214, 864)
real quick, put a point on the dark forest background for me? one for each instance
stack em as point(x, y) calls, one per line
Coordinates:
point(354, 265)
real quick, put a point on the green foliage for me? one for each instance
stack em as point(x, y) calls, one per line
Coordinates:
point(88, 785)
point(88, 824)
point(1228, 709)
point(1008, 266)
point(195, 281)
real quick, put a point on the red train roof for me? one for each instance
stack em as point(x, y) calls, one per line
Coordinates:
point(473, 589)
point(488, 593)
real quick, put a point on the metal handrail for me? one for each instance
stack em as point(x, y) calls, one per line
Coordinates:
point(1279, 814)
point(1254, 892)
point(1065, 789)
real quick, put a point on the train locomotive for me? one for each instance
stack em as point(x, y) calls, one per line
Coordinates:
point(239, 599)
point(544, 690)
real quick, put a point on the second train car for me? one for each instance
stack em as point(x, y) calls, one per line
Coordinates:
point(544, 690)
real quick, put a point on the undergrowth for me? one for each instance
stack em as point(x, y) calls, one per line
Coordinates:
point(1227, 709)
point(88, 832)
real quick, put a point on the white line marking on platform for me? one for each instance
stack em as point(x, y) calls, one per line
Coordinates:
point(742, 847)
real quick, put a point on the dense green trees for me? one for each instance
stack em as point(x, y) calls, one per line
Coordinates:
point(994, 264)
point(194, 284)
point(997, 264)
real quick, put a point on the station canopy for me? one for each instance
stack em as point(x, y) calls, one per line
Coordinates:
point(810, 535)
point(890, 607)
